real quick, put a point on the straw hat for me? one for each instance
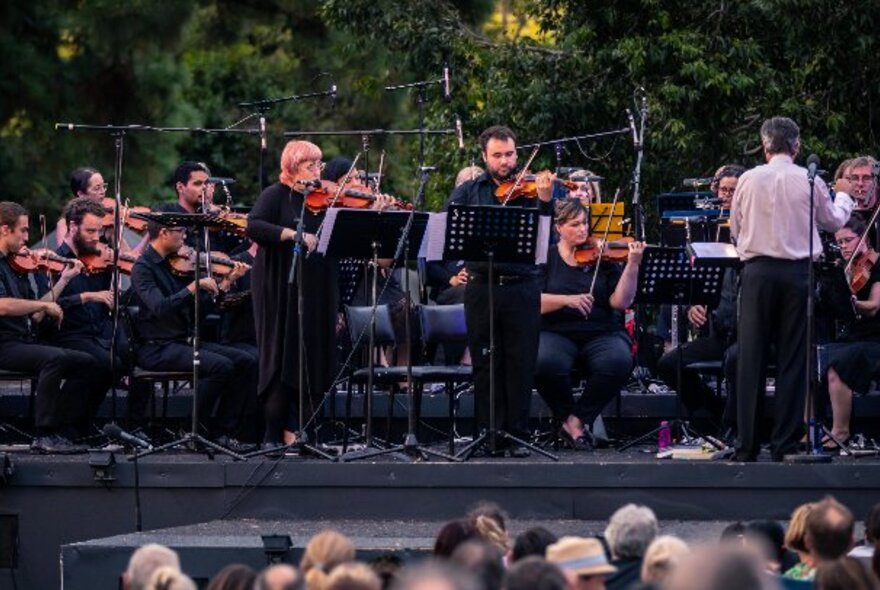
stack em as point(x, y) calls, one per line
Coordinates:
point(584, 557)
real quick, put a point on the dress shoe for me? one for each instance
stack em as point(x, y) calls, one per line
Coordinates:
point(740, 457)
point(55, 444)
point(235, 445)
point(584, 442)
point(273, 450)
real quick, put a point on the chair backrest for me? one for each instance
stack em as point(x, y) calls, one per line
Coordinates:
point(358, 320)
point(129, 316)
point(442, 324)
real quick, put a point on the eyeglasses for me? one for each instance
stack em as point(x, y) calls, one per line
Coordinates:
point(315, 165)
point(726, 190)
point(865, 178)
point(99, 187)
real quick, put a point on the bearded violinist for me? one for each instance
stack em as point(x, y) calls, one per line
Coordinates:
point(582, 326)
point(517, 297)
point(64, 377)
point(848, 363)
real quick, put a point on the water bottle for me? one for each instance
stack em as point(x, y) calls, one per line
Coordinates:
point(664, 436)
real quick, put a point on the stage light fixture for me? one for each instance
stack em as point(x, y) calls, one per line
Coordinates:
point(276, 547)
point(102, 463)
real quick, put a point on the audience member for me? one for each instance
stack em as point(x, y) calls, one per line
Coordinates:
point(386, 567)
point(829, 531)
point(662, 556)
point(453, 534)
point(324, 552)
point(144, 561)
point(846, 573)
point(483, 559)
point(169, 577)
point(435, 575)
point(772, 535)
point(795, 540)
point(723, 567)
point(629, 532)
point(280, 576)
point(733, 532)
point(864, 551)
point(532, 542)
point(534, 573)
point(582, 561)
point(233, 577)
point(353, 576)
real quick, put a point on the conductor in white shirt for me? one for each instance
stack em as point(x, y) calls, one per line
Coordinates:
point(770, 223)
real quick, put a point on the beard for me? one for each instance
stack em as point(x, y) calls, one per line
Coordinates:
point(82, 247)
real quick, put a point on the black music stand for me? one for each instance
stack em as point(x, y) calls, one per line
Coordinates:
point(193, 221)
point(488, 233)
point(669, 276)
point(351, 233)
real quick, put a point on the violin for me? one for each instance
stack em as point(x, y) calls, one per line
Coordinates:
point(102, 261)
point(221, 264)
point(39, 260)
point(860, 270)
point(352, 196)
point(592, 250)
point(133, 223)
point(234, 222)
point(527, 186)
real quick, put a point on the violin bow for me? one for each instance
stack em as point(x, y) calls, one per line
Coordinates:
point(848, 268)
point(519, 177)
point(379, 175)
point(604, 241)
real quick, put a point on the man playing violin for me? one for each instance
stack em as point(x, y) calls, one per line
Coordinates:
point(517, 299)
point(163, 328)
point(861, 172)
point(849, 363)
point(582, 325)
point(65, 378)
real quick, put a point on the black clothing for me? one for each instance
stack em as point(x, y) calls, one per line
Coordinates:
point(275, 304)
point(437, 276)
point(16, 286)
point(165, 304)
point(775, 293)
point(628, 574)
point(517, 316)
point(866, 328)
point(598, 345)
point(218, 241)
point(84, 319)
point(237, 321)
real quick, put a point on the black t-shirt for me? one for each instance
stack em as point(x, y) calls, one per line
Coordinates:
point(866, 328)
point(17, 286)
point(562, 279)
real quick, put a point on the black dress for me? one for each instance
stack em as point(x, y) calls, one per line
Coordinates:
point(275, 306)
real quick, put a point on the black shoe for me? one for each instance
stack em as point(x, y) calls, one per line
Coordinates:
point(235, 445)
point(55, 444)
point(519, 452)
point(273, 450)
point(741, 457)
point(585, 442)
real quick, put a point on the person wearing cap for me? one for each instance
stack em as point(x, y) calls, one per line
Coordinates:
point(583, 562)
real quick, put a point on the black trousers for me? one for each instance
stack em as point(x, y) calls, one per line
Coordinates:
point(606, 360)
point(694, 393)
point(65, 381)
point(227, 377)
point(517, 313)
point(99, 350)
point(772, 311)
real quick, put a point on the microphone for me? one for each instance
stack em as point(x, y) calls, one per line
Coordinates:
point(632, 127)
point(695, 182)
point(427, 168)
point(446, 93)
point(264, 144)
point(115, 432)
point(812, 166)
point(220, 180)
point(583, 178)
point(333, 97)
point(459, 133)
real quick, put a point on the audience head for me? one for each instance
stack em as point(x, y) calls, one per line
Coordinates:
point(468, 173)
point(582, 561)
point(233, 577)
point(663, 555)
point(733, 532)
point(324, 552)
point(872, 525)
point(170, 578)
point(483, 559)
point(846, 573)
point(435, 575)
point(280, 576)
point(797, 528)
point(532, 542)
point(386, 567)
point(630, 530)
point(453, 534)
point(829, 530)
point(534, 573)
point(146, 560)
point(722, 567)
point(770, 535)
point(353, 576)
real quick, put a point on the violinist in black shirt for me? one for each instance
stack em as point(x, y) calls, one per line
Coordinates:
point(64, 377)
point(582, 325)
point(517, 293)
point(164, 326)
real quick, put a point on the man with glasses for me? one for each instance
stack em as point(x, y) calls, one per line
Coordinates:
point(862, 174)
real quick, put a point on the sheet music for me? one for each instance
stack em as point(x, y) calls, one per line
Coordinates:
point(327, 231)
point(435, 237)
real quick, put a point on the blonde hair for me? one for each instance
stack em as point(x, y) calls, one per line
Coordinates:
point(663, 555)
point(490, 531)
point(295, 153)
point(146, 560)
point(467, 173)
point(170, 578)
point(353, 576)
point(796, 532)
point(324, 552)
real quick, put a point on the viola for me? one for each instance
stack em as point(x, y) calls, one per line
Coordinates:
point(860, 271)
point(102, 261)
point(590, 251)
point(133, 223)
point(352, 196)
point(527, 186)
point(39, 260)
point(184, 265)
